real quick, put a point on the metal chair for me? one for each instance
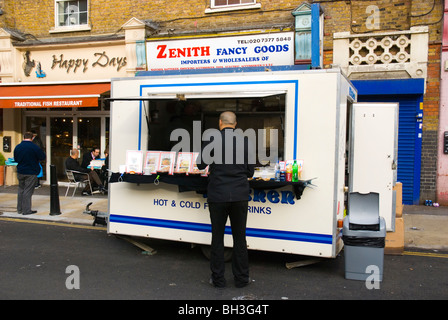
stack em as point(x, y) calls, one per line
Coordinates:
point(83, 179)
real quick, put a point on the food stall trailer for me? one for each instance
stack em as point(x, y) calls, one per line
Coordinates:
point(314, 114)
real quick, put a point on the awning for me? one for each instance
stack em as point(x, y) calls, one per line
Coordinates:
point(202, 95)
point(52, 96)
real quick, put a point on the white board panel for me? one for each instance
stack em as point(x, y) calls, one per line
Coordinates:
point(374, 152)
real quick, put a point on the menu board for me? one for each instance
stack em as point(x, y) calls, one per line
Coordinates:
point(134, 161)
point(195, 169)
point(184, 162)
point(152, 161)
point(167, 161)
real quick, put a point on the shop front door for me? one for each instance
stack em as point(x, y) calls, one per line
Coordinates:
point(409, 94)
point(89, 134)
point(38, 126)
point(61, 143)
point(61, 133)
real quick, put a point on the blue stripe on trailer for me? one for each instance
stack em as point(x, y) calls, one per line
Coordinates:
point(203, 227)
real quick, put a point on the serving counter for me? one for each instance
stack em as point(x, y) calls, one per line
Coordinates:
point(199, 183)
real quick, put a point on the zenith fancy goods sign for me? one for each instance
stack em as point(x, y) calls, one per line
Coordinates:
point(261, 50)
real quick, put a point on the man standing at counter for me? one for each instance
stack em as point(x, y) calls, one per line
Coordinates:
point(228, 194)
point(27, 155)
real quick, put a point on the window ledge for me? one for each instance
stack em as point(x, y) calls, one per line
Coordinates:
point(234, 8)
point(83, 27)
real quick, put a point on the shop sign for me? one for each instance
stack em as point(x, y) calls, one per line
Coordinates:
point(100, 59)
point(50, 103)
point(262, 50)
point(260, 202)
point(70, 63)
point(56, 103)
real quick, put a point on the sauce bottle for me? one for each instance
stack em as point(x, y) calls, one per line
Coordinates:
point(277, 171)
point(289, 172)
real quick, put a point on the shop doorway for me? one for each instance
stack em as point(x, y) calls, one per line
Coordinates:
point(60, 133)
point(61, 137)
point(409, 94)
point(38, 126)
point(89, 134)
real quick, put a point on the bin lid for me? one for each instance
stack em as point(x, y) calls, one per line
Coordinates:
point(363, 208)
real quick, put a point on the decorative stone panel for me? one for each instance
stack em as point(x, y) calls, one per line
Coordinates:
point(6, 57)
point(387, 55)
point(384, 50)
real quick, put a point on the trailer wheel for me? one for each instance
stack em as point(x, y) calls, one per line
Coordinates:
point(206, 250)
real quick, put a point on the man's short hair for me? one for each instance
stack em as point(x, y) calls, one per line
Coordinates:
point(28, 135)
point(228, 117)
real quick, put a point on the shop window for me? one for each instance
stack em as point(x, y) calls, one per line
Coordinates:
point(223, 5)
point(89, 133)
point(220, 3)
point(38, 126)
point(309, 33)
point(71, 13)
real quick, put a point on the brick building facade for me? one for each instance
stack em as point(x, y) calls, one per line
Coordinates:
point(37, 24)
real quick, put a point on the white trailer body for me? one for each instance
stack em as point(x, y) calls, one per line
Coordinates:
point(315, 130)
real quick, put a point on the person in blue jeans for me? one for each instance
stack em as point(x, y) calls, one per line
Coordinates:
point(228, 196)
point(27, 155)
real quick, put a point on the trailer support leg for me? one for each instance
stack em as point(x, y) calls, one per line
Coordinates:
point(146, 249)
point(302, 263)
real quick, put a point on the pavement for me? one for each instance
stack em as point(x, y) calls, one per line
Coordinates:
point(71, 208)
point(424, 227)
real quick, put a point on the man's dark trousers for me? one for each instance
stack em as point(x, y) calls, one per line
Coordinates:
point(27, 182)
point(237, 212)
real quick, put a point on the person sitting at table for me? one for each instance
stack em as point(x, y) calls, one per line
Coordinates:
point(71, 163)
point(105, 167)
point(89, 156)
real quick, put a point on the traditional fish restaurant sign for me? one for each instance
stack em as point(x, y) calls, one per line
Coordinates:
point(62, 95)
point(261, 50)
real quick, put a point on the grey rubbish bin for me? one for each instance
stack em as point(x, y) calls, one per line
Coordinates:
point(363, 234)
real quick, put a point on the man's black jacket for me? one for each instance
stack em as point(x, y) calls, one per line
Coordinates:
point(228, 179)
point(86, 158)
point(72, 164)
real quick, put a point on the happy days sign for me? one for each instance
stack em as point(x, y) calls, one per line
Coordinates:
point(261, 50)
